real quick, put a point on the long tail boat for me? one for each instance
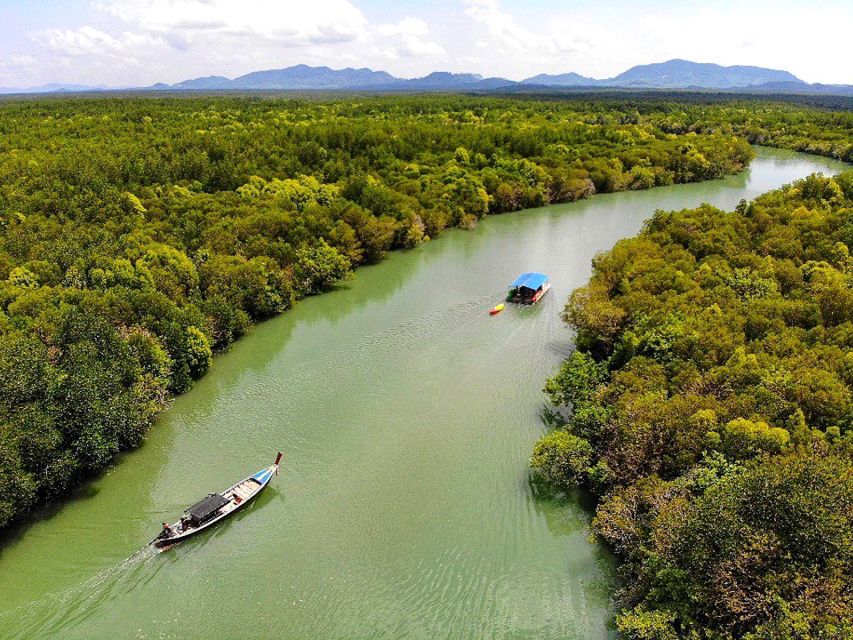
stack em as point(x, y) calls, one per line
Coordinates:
point(215, 507)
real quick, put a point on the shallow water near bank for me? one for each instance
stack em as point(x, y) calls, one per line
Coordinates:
point(404, 506)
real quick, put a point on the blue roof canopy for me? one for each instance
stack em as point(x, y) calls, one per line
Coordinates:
point(531, 280)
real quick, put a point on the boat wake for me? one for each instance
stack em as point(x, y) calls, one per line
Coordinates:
point(55, 612)
point(417, 331)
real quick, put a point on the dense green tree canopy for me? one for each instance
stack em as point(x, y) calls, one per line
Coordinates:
point(711, 412)
point(139, 235)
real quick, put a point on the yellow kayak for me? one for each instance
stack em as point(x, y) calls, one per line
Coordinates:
point(497, 309)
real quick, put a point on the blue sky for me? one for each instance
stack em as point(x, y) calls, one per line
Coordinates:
point(139, 42)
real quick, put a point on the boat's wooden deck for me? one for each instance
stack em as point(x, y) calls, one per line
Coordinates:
point(246, 488)
point(239, 494)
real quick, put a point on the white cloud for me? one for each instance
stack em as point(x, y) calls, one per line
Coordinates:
point(293, 22)
point(172, 40)
point(407, 38)
point(503, 46)
point(407, 26)
point(23, 61)
point(596, 40)
point(758, 37)
point(506, 31)
point(415, 47)
point(95, 51)
point(144, 41)
point(502, 25)
point(78, 42)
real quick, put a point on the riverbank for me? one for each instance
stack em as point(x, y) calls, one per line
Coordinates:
point(406, 414)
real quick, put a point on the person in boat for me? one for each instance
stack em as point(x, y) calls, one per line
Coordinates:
point(185, 523)
point(167, 531)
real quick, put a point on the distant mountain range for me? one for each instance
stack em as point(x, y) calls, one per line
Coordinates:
point(561, 80)
point(55, 87)
point(685, 74)
point(673, 74)
point(305, 78)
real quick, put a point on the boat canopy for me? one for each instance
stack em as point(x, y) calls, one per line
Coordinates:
point(203, 509)
point(531, 280)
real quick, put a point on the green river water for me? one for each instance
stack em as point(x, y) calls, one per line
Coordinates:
point(406, 415)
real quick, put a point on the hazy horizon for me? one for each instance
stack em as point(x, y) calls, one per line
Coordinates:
point(138, 43)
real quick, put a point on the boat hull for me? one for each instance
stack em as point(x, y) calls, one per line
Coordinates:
point(532, 300)
point(540, 294)
point(238, 496)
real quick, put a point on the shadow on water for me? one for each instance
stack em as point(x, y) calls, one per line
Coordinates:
point(559, 509)
point(546, 497)
point(87, 492)
point(12, 535)
point(372, 284)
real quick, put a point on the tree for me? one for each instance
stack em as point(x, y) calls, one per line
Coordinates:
point(578, 378)
point(319, 267)
point(562, 458)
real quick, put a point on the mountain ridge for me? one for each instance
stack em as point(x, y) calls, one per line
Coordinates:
point(672, 74)
point(675, 73)
point(570, 79)
point(678, 73)
point(302, 76)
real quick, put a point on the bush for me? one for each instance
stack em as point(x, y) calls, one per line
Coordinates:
point(562, 458)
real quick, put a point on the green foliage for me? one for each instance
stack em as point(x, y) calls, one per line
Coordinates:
point(22, 277)
point(641, 624)
point(742, 438)
point(770, 547)
point(713, 386)
point(138, 235)
point(199, 354)
point(562, 458)
point(577, 380)
point(319, 267)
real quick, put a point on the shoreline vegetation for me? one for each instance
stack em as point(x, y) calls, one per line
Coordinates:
point(139, 236)
point(708, 408)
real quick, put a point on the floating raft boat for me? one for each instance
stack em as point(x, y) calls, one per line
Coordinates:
point(215, 507)
point(528, 288)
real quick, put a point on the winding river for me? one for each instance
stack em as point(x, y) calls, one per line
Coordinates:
point(404, 508)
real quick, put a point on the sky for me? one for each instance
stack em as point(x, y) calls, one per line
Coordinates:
point(140, 42)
